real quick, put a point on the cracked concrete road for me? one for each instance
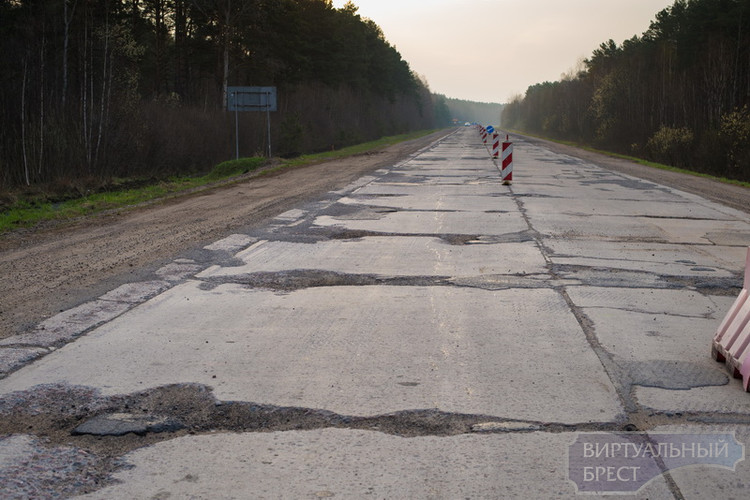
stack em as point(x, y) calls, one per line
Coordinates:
point(424, 332)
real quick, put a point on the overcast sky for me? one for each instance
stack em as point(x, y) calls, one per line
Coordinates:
point(491, 50)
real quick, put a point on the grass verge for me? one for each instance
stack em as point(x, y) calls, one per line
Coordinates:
point(353, 150)
point(30, 211)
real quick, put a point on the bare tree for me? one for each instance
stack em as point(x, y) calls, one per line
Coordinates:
point(67, 19)
point(23, 123)
point(41, 101)
point(228, 15)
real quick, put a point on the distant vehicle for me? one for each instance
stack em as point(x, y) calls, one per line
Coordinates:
point(467, 124)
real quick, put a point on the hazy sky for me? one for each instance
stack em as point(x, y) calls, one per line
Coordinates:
point(491, 50)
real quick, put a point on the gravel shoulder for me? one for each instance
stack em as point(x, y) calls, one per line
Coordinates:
point(54, 267)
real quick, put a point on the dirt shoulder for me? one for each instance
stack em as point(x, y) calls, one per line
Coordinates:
point(54, 267)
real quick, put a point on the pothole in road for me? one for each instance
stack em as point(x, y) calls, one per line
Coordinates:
point(299, 279)
point(451, 239)
point(113, 425)
point(62, 440)
point(620, 278)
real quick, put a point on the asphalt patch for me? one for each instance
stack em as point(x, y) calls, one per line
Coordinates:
point(672, 375)
point(119, 424)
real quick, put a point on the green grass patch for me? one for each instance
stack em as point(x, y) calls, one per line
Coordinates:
point(25, 214)
point(235, 167)
point(354, 150)
point(29, 211)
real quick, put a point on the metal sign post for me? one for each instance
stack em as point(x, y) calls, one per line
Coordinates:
point(268, 122)
point(236, 135)
point(251, 99)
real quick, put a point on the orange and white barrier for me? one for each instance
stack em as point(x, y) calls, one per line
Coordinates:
point(731, 343)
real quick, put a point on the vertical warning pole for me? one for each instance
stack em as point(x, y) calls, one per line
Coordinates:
point(495, 145)
point(507, 170)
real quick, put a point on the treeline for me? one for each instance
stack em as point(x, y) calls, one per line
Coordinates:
point(96, 89)
point(450, 111)
point(679, 94)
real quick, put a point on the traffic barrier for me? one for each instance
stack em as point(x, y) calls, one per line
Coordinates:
point(731, 343)
point(495, 145)
point(507, 170)
point(484, 135)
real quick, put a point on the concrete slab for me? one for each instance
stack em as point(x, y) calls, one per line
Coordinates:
point(614, 187)
point(646, 257)
point(388, 256)
point(353, 350)
point(231, 243)
point(178, 270)
point(359, 183)
point(647, 336)
point(12, 358)
point(597, 227)
point(623, 208)
point(657, 338)
point(488, 187)
point(135, 293)
point(354, 464)
point(704, 481)
point(702, 231)
point(67, 325)
point(714, 400)
point(436, 201)
point(684, 303)
point(431, 222)
point(730, 257)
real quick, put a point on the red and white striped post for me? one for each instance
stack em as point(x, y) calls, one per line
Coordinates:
point(484, 135)
point(507, 158)
point(495, 145)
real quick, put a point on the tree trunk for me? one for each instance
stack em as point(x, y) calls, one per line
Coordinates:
point(66, 43)
point(225, 80)
point(41, 105)
point(104, 90)
point(23, 124)
point(180, 36)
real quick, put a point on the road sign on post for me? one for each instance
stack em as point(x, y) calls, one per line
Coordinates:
point(251, 99)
